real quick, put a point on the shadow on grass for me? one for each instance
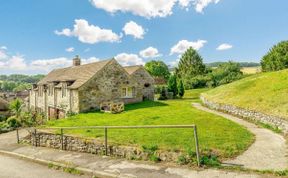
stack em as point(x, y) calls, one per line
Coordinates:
point(144, 104)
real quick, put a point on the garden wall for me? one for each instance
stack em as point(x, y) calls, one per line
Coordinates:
point(248, 114)
point(72, 143)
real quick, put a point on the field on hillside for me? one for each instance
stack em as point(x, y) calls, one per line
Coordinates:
point(251, 70)
point(215, 133)
point(264, 92)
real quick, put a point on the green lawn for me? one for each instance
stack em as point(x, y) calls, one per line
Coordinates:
point(264, 92)
point(215, 133)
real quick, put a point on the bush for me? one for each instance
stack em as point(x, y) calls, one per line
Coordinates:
point(163, 94)
point(197, 82)
point(13, 122)
point(172, 85)
point(180, 87)
point(277, 58)
point(210, 160)
point(2, 118)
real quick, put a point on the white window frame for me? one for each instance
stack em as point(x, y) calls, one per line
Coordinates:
point(127, 93)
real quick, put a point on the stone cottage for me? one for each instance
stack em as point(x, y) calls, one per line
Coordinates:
point(81, 88)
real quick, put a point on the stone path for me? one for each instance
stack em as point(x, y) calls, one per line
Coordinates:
point(269, 151)
point(106, 166)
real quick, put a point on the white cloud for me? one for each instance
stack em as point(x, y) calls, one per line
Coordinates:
point(129, 59)
point(224, 46)
point(51, 63)
point(91, 34)
point(71, 49)
point(3, 55)
point(149, 52)
point(144, 8)
point(201, 4)
point(183, 45)
point(65, 32)
point(150, 8)
point(3, 48)
point(132, 28)
point(90, 60)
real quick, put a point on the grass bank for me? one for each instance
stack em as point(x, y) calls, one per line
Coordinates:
point(264, 92)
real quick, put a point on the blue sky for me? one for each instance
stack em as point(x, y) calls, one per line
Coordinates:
point(37, 36)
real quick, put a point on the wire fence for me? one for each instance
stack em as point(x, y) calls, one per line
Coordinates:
point(106, 128)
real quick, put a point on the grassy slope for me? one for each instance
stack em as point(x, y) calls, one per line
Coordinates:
point(265, 92)
point(215, 133)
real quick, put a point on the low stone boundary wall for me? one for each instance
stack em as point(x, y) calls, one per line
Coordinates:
point(72, 143)
point(248, 114)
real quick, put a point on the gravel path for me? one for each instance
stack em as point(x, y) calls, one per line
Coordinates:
point(269, 151)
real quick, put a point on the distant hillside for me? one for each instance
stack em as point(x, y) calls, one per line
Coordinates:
point(18, 82)
point(242, 64)
point(263, 92)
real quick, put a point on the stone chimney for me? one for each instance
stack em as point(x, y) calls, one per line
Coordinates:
point(77, 61)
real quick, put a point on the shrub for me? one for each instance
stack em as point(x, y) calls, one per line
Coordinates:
point(197, 82)
point(180, 88)
point(172, 85)
point(13, 122)
point(277, 58)
point(163, 94)
point(210, 160)
point(2, 118)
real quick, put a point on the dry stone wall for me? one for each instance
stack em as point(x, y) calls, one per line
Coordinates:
point(72, 143)
point(248, 114)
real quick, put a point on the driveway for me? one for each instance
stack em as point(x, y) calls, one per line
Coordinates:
point(269, 151)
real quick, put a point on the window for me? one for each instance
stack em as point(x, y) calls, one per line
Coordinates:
point(40, 90)
point(147, 85)
point(64, 89)
point(50, 90)
point(128, 92)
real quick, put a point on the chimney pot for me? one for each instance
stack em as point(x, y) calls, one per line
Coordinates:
point(77, 61)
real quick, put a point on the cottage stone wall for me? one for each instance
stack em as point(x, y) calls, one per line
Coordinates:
point(248, 114)
point(93, 146)
point(145, 83)
point(107, 85)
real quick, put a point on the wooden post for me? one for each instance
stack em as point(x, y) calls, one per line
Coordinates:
point(197, 146)
point(17, 134)
point(62, 139)
point(106, 147)
point(35, 137)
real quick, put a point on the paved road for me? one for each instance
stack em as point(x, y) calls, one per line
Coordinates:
point(16, 168)
point(269, 151)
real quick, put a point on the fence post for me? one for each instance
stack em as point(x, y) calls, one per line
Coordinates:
point(106, 147)
point(62, 140)
point(17, 135)
point(35, 137)
point(197, 146)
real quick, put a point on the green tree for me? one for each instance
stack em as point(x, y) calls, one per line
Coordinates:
point(158, 69)
point(190, 65)
point(225, 73)
point(16, 107)
point(172, 85)
point(181, 90)
point(277, 58)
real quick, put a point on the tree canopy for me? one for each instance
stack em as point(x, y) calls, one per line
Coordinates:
point(277, 58)
point(158, 69)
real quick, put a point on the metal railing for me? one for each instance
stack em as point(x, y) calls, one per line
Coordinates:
point(105, 128)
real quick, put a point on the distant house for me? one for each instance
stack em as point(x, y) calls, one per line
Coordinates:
point(4, 106)
point(81, 88)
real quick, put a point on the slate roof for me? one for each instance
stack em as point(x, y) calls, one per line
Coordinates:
point(76, 74)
